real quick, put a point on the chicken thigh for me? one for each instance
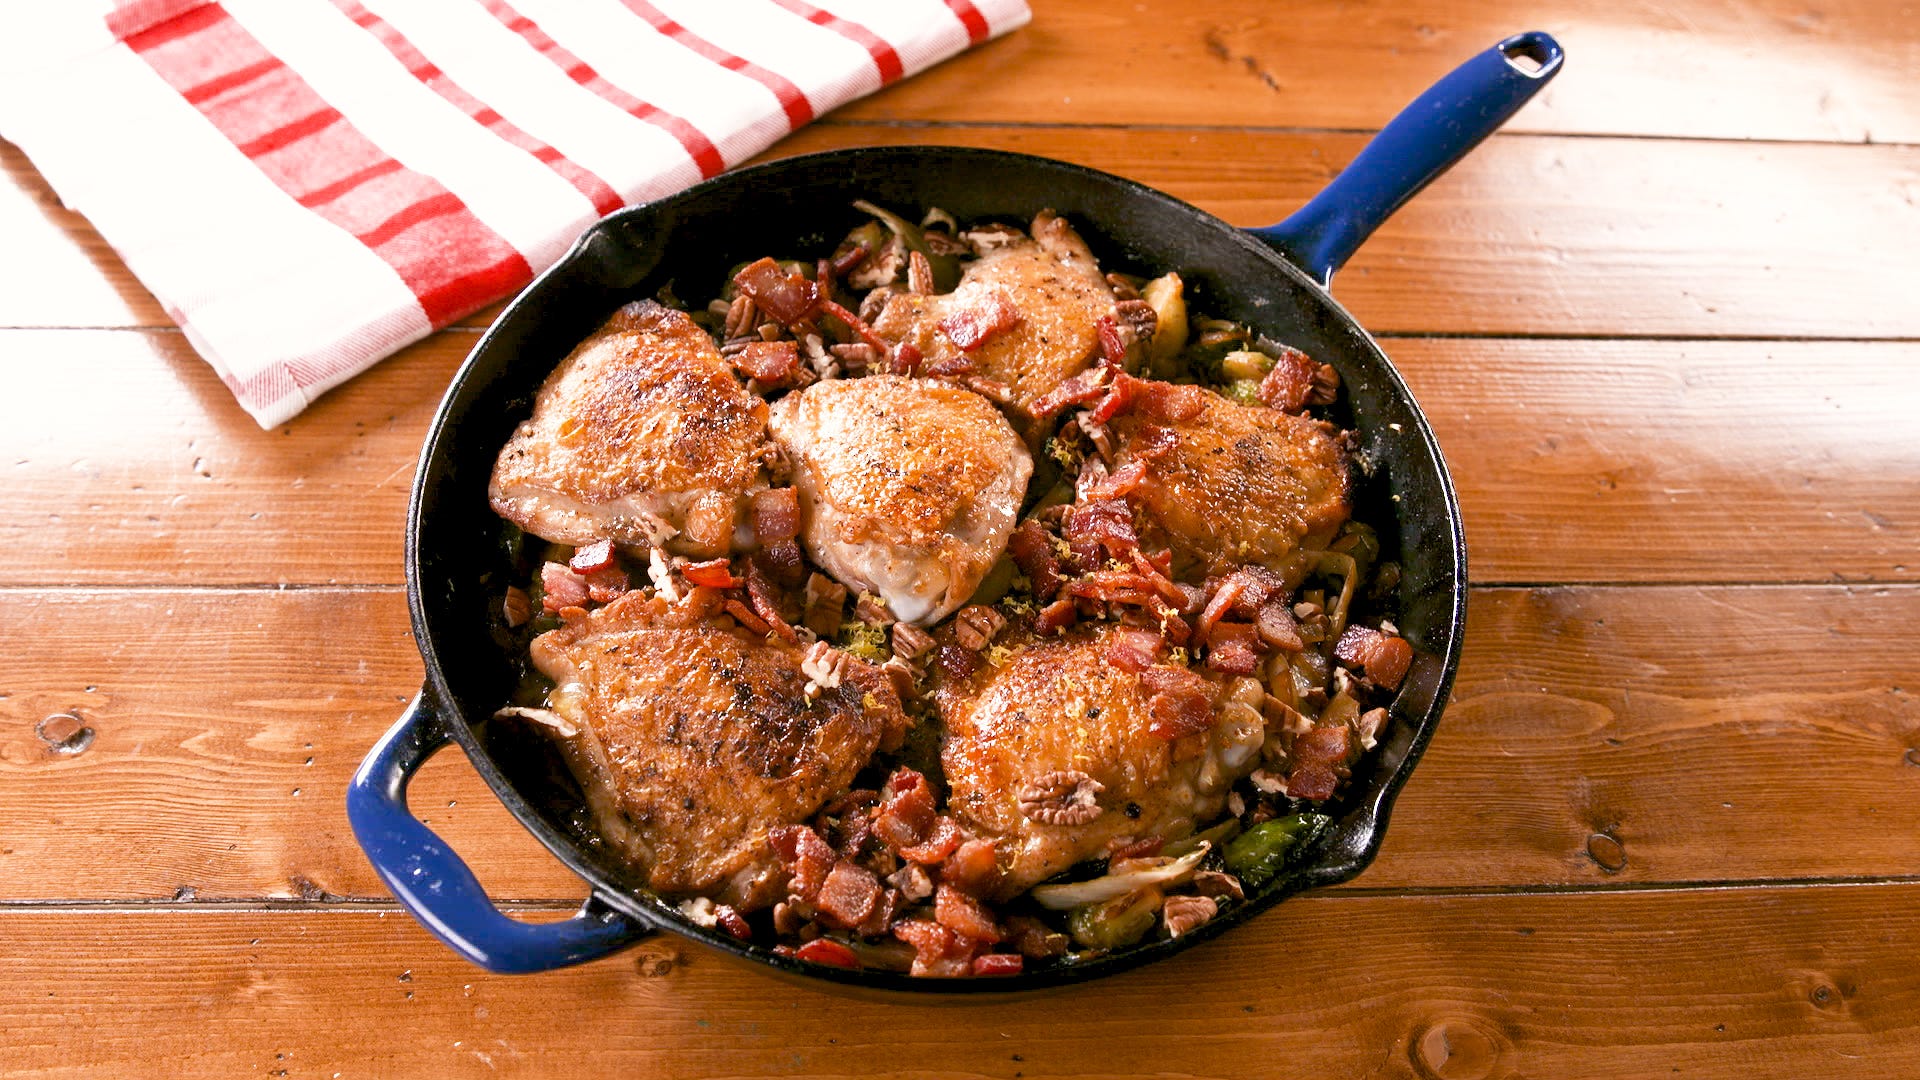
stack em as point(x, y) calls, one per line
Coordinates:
point(1056, 715)
point(1055, 290)
point(908, 487)
point(642, 431)
point(1228, 484)
point(693, 740)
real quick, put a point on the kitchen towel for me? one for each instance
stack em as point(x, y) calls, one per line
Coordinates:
point(308, 185)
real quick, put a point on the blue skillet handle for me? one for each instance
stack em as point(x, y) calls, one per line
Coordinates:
point(436, 887)
point(1428, 136)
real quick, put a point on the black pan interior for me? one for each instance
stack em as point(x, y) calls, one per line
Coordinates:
point(799, 207)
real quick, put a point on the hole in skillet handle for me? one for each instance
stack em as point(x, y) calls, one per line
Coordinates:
point(1532, 54)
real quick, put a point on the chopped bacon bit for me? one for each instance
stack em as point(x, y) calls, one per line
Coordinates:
point(783, 296)
point(844, 261)
point(957, 662)
point(1224, 599)
point(937, 950)
point(1119, 399)
point(1104, 525)
point(848, 895)
point(1277, 627)
point(972, 868)
point(776, 514)
point(1056, 617)
point(829, 952)
point(1169, 403)
point(1286, 387)
point(1173, 627)
point(856, 324)
point(734, 923)
point(1119, 484)
point(782, 562)
point(1384, 657)
point(907, 812)
point(561, 588)
point(906, 359)
point(807, 856)
point(964, 915)
point(1312, 781)
point(766, 605)
point(1140, 848)
point(1032, 549)
point(999, 963)
point(595, 556)
point(1166, 679)
point(973, 326)
point(1135, 650)
point(1034, 938)
point(944, 839)
point(717, 573)
point(951, 366)
point(748, 619)
point(1231, 649)
point(607, 584)
point(1178, 714)
point(1078, 390)
point(772, 363)
point(1113, 345)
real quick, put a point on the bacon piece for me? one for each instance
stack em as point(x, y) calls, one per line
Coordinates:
point(1118, 484)
point(776, 514)
point(856, 324)
point(1032, 549)
point(1319, 757)
point(715, 573)
point(1277, 626)
point(907, 810)
point(745, 614)
point(1383, 657)
point(772, 363)
point(734, 923)
point(1107, 523)
point(972, 868)
point(999, 963)
point(848, 895)
point(973, 326)
point(1113, 344)
point(1078, 390)
point(951, 366)
point(1286, 387)
point(1034, 938)
point(766, 605)
point(937, 950)
point(783, 562)
point(906, 360)
point(964, 915)
point(1056, 617)
point(829, 952)
point(843, 262)
point(1115, 587)
point(595, 556)
point(1231, 648)
point(561, 588)
point(1168, 403)
point(607, 584)
point(807, 856)
point(957, 662)
point(942, 841)
point(1178, 714)
point(786, 297)
point(1132, 649)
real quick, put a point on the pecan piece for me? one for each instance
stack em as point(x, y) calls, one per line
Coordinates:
point(910, 642)
point(824, 665)
point(975, 626)
point(742, 317)
point(1062, 797)
point(1184, 913)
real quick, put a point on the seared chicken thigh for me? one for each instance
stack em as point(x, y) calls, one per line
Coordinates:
point(1058, 714)
point(643, 425)
point(1053, 285)
point(692, 741)
point(1228, 484)
point(908, 487)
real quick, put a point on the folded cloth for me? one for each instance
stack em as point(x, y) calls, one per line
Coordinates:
point(308, 185)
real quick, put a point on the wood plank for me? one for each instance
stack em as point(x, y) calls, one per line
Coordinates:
point(1772, 69)
point(227, 724)
point(1535, 236)
point(1576, 461)
point(1734, 983)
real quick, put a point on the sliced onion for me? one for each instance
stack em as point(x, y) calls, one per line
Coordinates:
point(561, 725)
point(1101, 889)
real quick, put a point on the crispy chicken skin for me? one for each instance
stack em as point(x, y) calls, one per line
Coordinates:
point(692, 740)
point(1237, 483)
point(644, 422)
point(1059, 292)
point(1058, 705)
point(908, 488)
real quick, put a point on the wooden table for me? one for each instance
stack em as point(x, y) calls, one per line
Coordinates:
point(1667, 327)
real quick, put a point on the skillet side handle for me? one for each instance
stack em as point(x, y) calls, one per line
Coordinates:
point(1425, 140)
point(436, 887)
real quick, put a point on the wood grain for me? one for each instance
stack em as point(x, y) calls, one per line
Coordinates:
point(1576, 461)
point(1786, 749)
point(1532, 236)
point(1772, 69)
point(1779, 982)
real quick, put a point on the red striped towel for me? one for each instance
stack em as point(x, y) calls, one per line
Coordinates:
point(308, 185)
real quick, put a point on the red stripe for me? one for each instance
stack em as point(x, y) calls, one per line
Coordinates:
point(450, 260)
point(157, 22)
point(605, 200)
point(696, 144)
point(884, 58)
point(792, 100)
point(970, 18)
point(229, 81)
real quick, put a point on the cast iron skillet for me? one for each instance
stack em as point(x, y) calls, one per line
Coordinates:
point(1274, 279)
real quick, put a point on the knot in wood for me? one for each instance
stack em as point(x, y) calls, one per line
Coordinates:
point(1062, 797)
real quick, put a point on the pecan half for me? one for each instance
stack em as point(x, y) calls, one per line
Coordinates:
point(1215, 883)
point(823, 664)
point(910, 642)
point(742, 317)
point(1184, 913)
point(1063, 797)
point(975, 626)
point(919, 274)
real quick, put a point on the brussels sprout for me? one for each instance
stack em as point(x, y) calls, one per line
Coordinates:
point(1115, 923)
point(1258, 855)
point(946, 268)
point(1167, 296)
